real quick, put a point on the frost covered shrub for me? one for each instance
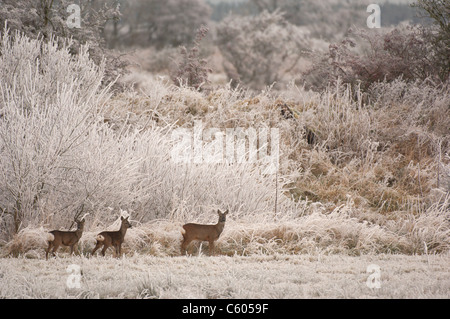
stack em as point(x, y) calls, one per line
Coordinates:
point(191, 68)
point(369, 56)
point(439, 12)
point(56, 153)
point(259, 49)
point(48, 103)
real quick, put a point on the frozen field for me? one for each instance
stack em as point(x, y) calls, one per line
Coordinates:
point(277, 276)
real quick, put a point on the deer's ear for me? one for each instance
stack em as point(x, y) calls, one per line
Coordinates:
point(226, 212)
point(219, 212)
point(121, 218)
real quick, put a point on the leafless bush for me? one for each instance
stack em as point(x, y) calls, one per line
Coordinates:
point(57, 154)
point(439, 12)
point(39, 124)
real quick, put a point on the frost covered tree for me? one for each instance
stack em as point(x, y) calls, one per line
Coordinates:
point(439, 36)
point(328, 19)
point(259, 49)
point(52, 18)
point(412, 53)
point(163, 23)
point(402, 52)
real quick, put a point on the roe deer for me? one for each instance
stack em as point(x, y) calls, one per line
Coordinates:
point(113, 238)
point(200, 232)
point(57, 238)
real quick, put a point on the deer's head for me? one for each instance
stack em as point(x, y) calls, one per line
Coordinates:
point(222, 216)
point(125, 222)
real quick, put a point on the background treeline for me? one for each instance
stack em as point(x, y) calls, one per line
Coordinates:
point(255, 43)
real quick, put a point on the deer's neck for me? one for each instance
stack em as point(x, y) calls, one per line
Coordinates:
point(219, 227)
point(122, 231)
point(79, 232)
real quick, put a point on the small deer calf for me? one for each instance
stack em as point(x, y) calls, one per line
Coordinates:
point(113, 238)
point(57, 238)
point(209, 233)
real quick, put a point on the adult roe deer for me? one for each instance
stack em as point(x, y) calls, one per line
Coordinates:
point(201, 232)
point(57, 238)
point(113, 238)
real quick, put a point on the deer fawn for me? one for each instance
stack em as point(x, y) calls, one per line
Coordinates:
point(57, 238)
point(200, 232)
point(113, 238)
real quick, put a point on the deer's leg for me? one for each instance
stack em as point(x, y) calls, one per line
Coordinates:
point(184, 245)
point(118, 250)
point(211, 247)
point(105, 247)
point(50, 245)
point(97, 246)
point(75, 248)
point(55, 248)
